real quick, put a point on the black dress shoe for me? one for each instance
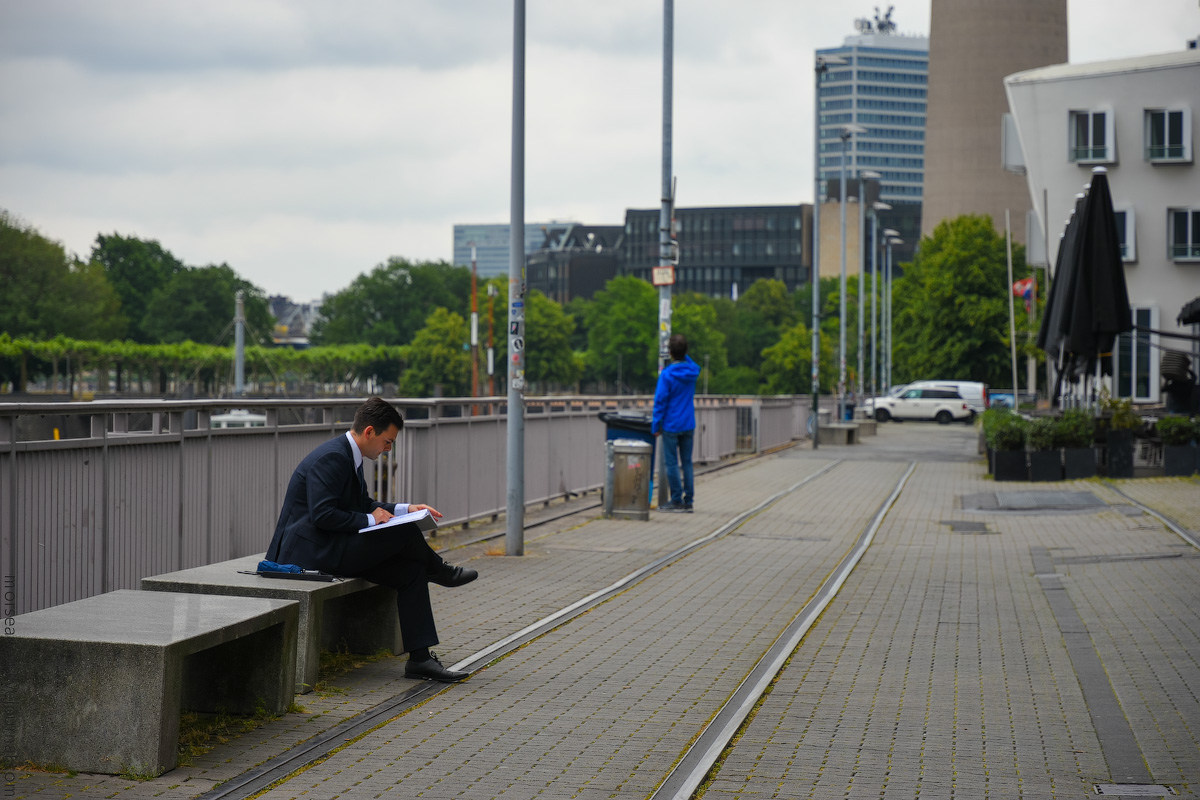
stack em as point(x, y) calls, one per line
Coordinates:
point(432, 670)
point(450, 575)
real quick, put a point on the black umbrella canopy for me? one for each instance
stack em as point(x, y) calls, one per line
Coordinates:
point(1057, 317)
point(1100, 303)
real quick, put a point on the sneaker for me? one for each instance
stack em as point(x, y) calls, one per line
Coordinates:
point(687, 508)
point(671, 508)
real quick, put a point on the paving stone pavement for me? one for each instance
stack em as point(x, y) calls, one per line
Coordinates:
point(940, 669)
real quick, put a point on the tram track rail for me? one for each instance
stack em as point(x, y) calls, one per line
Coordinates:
point(698, 761)
point(278, 769)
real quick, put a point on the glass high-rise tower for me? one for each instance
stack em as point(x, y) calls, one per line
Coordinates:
point(881, 88)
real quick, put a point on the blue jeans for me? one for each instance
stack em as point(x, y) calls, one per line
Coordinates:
point(677, 449)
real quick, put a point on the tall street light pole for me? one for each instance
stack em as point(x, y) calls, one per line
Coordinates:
point(846, 132)
point(888, 305)
point(863, 177)
point(875, 209)
point(665, 274)
point(823, 63)
point(514, 538)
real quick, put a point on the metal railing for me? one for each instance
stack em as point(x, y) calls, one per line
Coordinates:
point(140, 488)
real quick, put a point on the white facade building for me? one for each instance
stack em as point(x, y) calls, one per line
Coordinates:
point(1136, 118)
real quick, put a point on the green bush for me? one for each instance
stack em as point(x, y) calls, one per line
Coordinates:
point(1076, 428)
point(1177, 430)
point(1007, 432)
point(1042, 433)
point(1122, 416)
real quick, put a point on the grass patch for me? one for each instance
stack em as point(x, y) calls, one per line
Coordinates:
point(200, 732)
point(336, 664)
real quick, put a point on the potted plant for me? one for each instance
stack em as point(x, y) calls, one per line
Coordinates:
point(1121, 426)
point(1045, 457)
point(1007, 439)
point(987, 423)
point(1075, 431)
point(1179, 453)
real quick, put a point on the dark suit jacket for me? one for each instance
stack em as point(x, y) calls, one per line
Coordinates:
point(324, 504)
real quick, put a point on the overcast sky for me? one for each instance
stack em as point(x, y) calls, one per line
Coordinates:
point(304, 141)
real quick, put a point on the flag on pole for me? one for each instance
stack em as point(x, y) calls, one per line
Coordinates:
point(1025, 288)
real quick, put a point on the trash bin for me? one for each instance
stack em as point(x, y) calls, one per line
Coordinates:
point(627, 478)
point(849, 412)
point(629, 424)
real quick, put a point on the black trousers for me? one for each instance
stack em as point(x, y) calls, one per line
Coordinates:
point(401, 560)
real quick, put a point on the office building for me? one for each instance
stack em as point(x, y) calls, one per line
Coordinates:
point(492, 243)
point(574, 260)
point(724, 250)
point(881, 88)
point(973, 46)
point(1136, 118)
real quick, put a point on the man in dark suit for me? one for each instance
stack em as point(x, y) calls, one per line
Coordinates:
point(325, 507)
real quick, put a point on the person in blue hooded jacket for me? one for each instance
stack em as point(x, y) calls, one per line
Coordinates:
point(675, 419)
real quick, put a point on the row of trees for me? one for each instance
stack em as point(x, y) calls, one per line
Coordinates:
point(407, 323)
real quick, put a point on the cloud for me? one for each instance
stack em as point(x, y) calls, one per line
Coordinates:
point(304, 141)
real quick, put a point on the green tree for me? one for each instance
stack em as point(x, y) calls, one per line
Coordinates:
point(787, 364)
point(388, 305)
point(761, 315)
point(548, 329)
point(439, 355)
point(622, 325)
point(951, 305)
point(47, 294)
point(136, 269)
point(198, 303)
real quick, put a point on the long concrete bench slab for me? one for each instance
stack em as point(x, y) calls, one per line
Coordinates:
point(348, 614)
point(866, 427)
point(839, 433)
point(97, 685)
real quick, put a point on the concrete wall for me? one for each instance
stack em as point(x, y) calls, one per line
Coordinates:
point(973, 45)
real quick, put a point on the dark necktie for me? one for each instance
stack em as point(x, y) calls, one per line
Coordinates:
point(362, 481)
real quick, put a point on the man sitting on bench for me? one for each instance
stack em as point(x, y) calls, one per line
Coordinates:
point(325, 506)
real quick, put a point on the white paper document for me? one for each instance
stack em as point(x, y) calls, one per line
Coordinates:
point(423, 519)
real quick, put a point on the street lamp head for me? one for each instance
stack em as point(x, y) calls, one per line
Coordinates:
point(848, 130)
point(895, 240)
point(882, 206)
point(869, 175)
point(890, 232)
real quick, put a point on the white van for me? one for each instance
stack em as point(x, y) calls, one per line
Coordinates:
point(973, 392)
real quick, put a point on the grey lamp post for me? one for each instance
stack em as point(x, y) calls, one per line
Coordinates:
point(846, 132)
point(892, 239)
point(875, 209)
point(823, 63)
point(863, 176)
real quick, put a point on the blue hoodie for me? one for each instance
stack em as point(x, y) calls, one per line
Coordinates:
point(673, 399)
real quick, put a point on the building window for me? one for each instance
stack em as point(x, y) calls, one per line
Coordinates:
point(1136, 369)
point(1091, 137)
point(1183, 233)
point(1126, 232)
point(1168, 135)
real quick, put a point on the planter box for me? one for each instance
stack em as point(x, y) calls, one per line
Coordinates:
point(1079, 462)
point(1045, 465)
point(1009, 465)
point(991, 459)
point(1120, 454)
point(1179, 459)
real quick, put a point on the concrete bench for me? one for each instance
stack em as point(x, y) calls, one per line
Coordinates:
point(97, 685)
point(350, 614)
point(866, 427)
point(839, 433)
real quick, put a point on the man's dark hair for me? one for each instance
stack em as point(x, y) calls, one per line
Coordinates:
point(677, 346)
point(378, 414)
